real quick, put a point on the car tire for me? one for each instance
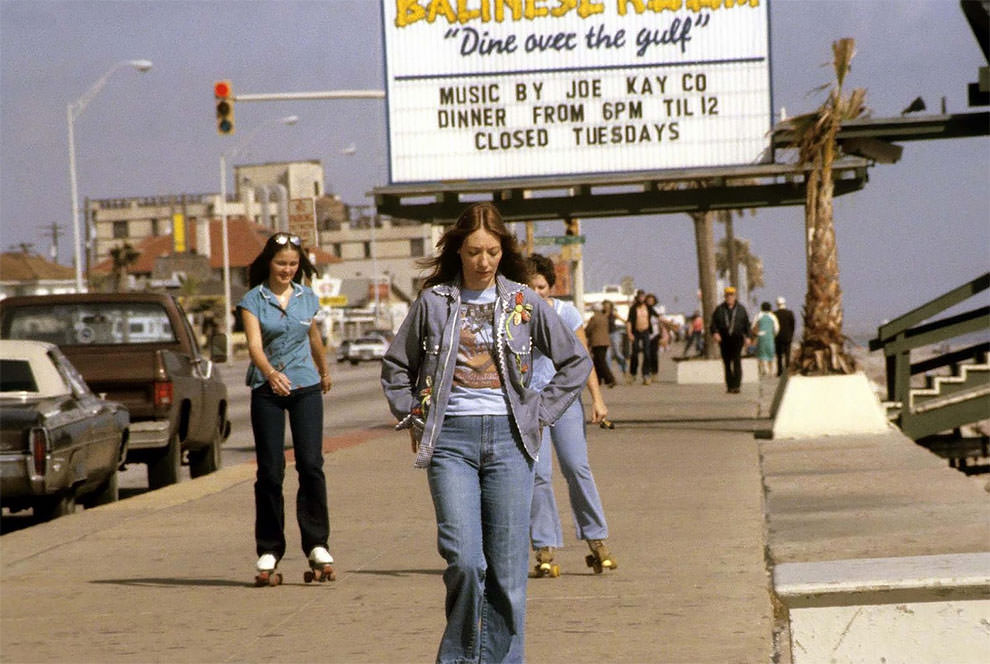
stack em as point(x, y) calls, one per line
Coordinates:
point(52, 507)
point(108, 492)
point(164, 469)
point(355, 362)
point(207, 459)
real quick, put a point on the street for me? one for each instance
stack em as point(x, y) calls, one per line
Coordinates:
point(354, 404)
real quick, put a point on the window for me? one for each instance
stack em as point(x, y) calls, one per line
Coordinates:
point(336, 249)
point(90, 323)
point(120, 229)
point(16, 376)
point(416, 247)
point(367, 249)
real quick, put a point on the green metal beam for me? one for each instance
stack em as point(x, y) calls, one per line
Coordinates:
point(929, 309)
point(900, 129)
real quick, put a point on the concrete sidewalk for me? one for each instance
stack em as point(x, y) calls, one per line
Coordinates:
point(168, 575)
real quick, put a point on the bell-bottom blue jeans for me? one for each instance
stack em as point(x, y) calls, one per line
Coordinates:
point(482, 484)
point(305, 408)
point(568, 438)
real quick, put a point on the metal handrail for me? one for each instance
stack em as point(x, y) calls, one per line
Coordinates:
point(900, 336)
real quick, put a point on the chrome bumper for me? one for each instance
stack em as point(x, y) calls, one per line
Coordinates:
point(148, 434)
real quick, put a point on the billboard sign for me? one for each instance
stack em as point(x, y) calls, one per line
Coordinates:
point(482, 89)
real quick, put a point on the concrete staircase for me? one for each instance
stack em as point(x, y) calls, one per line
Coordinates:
point(948, 402)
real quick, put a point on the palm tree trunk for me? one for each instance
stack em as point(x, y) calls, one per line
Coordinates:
point(705, 244)
point(822, 347)
point(730, 239)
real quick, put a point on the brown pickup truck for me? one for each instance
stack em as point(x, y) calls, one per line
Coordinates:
point(138, 349)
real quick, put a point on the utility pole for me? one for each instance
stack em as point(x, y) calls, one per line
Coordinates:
point(53, 232)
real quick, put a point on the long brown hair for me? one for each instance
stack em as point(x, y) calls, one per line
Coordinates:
point(258, 271)
point(446, 265)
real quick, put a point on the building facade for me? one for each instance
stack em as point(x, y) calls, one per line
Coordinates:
point(369, 247)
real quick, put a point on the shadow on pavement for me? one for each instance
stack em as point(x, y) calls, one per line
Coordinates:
point(158, 582)
point(398, 572)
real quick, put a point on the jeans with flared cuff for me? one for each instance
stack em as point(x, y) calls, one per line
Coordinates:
point(481, 481)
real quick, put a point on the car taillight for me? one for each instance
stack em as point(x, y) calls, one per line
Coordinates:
point(163, 393)
point(40, 448)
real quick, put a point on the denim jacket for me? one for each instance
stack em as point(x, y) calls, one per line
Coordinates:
point(418, 368)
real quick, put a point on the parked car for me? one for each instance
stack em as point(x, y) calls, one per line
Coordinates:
point(139, 349)
point(365, 349)
point(59, 442)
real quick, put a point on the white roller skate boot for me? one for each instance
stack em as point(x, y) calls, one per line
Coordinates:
point(320, 566)
point(267, 576)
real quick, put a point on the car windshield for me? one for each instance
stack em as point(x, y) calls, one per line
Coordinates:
point(90, 323)
point(370, 340)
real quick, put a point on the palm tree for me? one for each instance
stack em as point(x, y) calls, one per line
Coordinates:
point(822, 349)
point(743, 256)
point(123, 256)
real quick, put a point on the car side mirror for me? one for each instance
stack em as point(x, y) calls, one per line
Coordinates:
point(218, 347)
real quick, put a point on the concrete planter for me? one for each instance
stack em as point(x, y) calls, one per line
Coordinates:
point(813, 406)
point(695, 372)
point(921, 609)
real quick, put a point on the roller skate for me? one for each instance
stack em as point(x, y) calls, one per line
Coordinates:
point(320, 566)
point(599, 559)
point(545, 566)
point(267, 574)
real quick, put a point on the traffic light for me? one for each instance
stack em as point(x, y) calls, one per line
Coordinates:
point(223, 93)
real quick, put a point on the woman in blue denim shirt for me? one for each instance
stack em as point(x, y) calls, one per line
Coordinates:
point(457, 375)
point(288, 373)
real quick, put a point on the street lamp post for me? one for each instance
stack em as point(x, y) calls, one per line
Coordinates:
point(227, 316)
point(72, 111)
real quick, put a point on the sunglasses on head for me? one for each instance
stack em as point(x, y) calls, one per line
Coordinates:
point(282, 238)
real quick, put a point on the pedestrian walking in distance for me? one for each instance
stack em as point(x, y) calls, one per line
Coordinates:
point(765, 329)
point(639, 328)
point(782, 342)
point(288, 374)
point(729, 328)
point(616, 334)
point(598, 339)
point(568, 439)
point(458, 375)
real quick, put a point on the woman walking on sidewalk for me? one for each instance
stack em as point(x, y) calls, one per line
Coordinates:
point(288, 373)
point(598, 340)
point(458, 376)
point(616, 335)
point(569, 439)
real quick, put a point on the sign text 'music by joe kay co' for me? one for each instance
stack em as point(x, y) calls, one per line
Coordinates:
point(526, 88)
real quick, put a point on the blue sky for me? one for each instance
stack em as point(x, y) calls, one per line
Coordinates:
point(919, 228)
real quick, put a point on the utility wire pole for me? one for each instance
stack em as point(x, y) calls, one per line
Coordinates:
point(53, 232)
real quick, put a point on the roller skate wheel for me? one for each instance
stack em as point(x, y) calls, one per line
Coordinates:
point(593, 563)
point(267, 579)
point(308, 576)
point(554, 571)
